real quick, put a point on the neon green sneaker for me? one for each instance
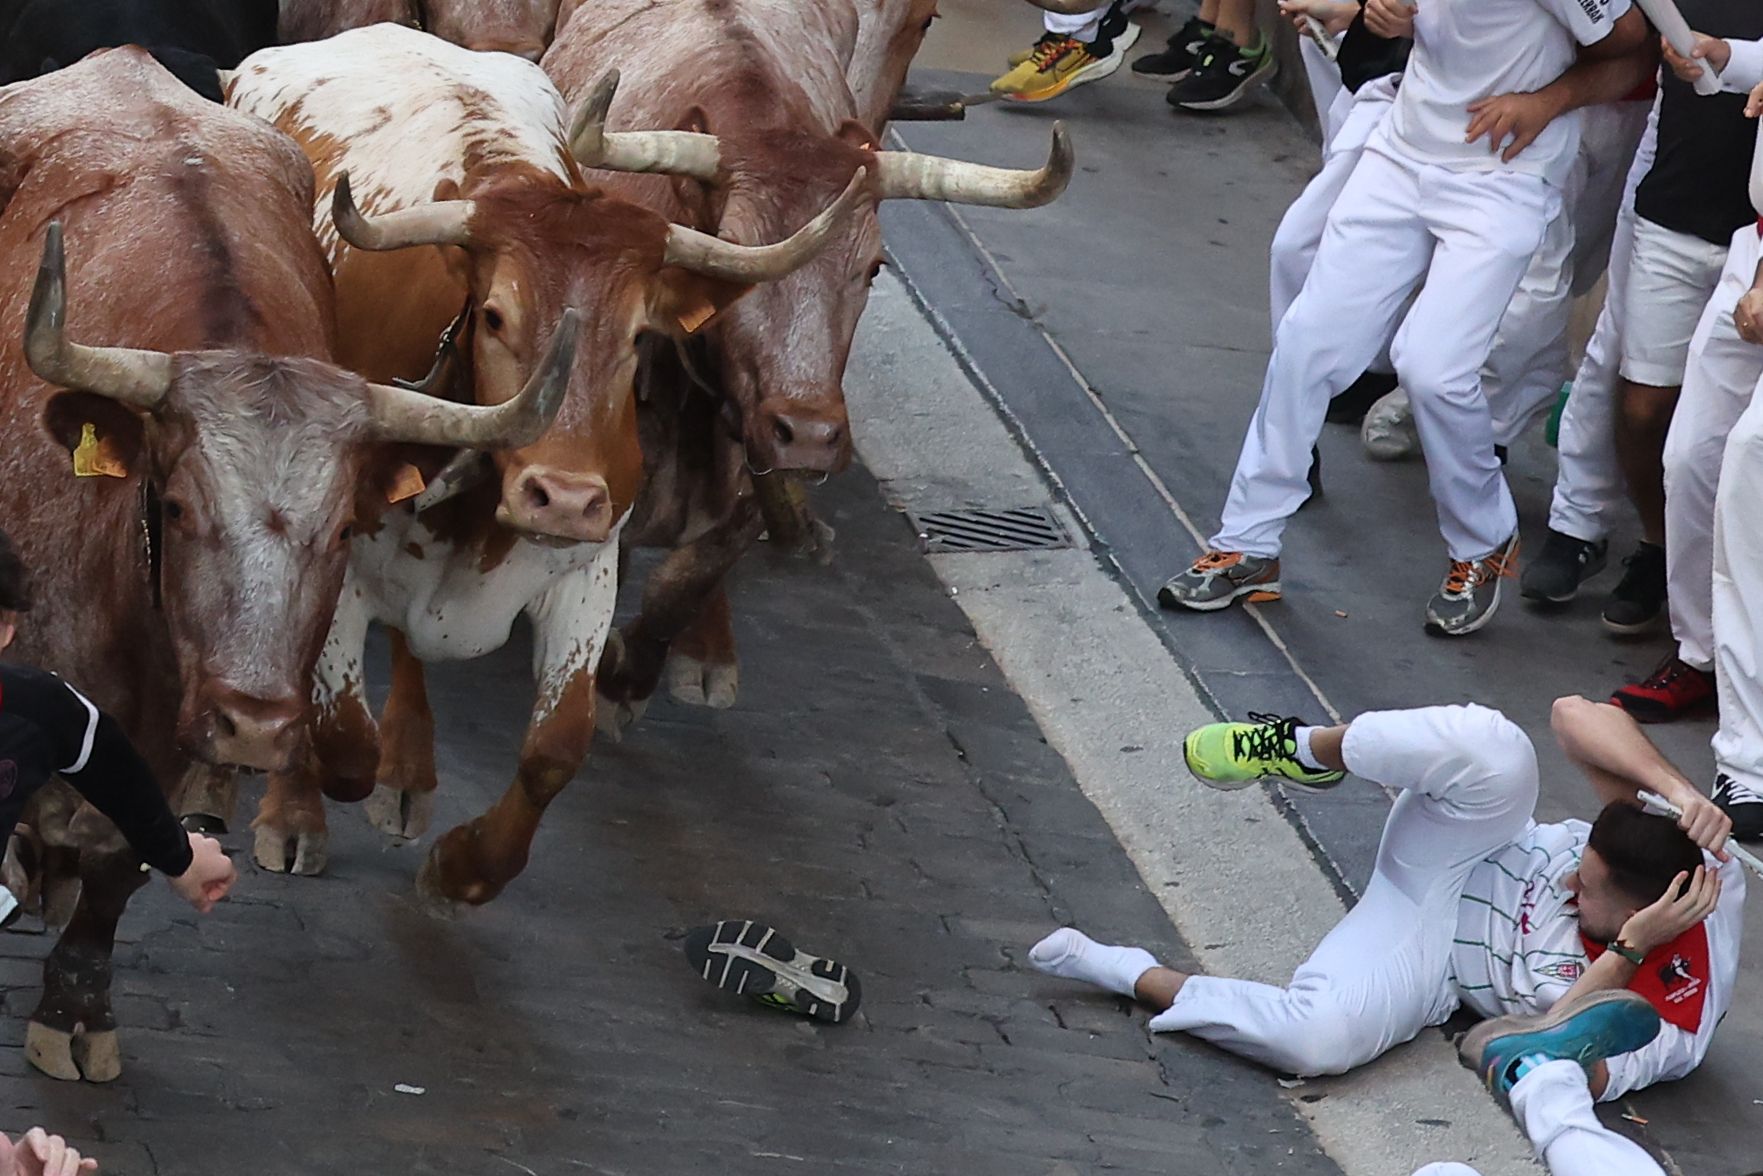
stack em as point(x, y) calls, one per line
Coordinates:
point(1228, 756)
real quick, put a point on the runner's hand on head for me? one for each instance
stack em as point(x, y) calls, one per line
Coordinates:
point(210, 876)
point(40, 1154)
point(1390, 18)
point(1674, 913)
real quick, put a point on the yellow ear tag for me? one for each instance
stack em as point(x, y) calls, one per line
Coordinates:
point(407, 484)
point(92, 458)
point(693, 317)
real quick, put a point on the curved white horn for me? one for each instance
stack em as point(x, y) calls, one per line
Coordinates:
point(674, 153)
point(402, 415)
point(136, 378)
point(905, 175)
point(704, 254)
point(441, 222)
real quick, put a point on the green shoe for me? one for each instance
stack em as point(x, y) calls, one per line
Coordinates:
point(1228, 756)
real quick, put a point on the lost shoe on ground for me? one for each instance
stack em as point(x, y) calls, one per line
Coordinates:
point(1228, 756)
point(753, 960)
point(1219, 577)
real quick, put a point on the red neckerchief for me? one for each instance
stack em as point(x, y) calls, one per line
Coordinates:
point(1674, 978)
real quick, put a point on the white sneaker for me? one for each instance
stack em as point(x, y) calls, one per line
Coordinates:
point(1388, 432)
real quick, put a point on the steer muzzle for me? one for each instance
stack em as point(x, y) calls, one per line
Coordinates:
point(793, 435)
point(231, 727)
point(556, 505)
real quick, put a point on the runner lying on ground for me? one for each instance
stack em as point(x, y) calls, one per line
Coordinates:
point(1472, 903)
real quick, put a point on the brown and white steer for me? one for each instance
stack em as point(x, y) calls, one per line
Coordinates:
point(187, 586)
point(460, 162)
point(889, 33)
point(767, 130)
point(314, 20)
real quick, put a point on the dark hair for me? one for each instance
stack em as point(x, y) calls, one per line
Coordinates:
point(1644, 852)
point(15, 580)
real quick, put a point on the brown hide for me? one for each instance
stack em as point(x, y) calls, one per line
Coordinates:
point(188, 232)
point(889, 35)
point(314, 20)
point(520, 27)
point(768, 78)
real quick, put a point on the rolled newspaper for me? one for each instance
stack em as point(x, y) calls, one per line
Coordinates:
point(1671, 25)
point(1324, 39)
point(1658, 805)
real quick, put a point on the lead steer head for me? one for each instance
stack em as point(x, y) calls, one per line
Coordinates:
point(259, 468)
point(520, 27)
point(533, 245)
point(783, 351)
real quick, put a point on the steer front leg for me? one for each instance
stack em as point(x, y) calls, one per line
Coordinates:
point(403, 799)
point(473, 862)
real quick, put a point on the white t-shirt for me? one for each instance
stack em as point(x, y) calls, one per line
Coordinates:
point(1519, 950)
point(1466, 50)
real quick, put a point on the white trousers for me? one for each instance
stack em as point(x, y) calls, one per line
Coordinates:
point(1554, 1106)
point(1082, 25)
point(1718, 380)
point(1468, 781)
point(1463, 239)
point(1738, 600)
point(1588, 479)
point(1529, 359)
point(1324, 77)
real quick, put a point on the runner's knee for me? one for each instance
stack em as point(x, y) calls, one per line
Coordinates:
point(1321, 1038)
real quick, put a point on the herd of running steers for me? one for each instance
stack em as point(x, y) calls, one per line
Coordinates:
point(228, 369)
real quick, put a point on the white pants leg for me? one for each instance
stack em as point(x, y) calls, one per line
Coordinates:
point(1588, 481)
point(1468, 777)
point(1738, 600)
point(1468, 236)
point(1554, 1106)
point(1300, 230)
point(1722, 372)
point(1082, 25)
point(1324, 77)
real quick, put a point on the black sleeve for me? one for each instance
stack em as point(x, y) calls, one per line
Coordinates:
point(92, 754)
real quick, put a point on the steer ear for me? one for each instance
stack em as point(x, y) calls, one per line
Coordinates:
point(116, 438)
point(684, 302)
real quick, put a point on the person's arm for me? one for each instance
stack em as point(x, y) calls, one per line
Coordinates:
point(1333, 15)
point(1739, 64)
point(1513, 121)
point(1607, 745)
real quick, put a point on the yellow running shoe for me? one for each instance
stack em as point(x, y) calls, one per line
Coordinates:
point(1229, 756)
point(1022, 55)
point(1058, 64)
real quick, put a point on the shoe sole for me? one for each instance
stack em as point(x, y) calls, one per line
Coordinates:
point(1434, 629)
point(1474, 1047)
point(1257, 594)
point(1218, 785)
point(752, 959)
point(1263, 73)
point(1648, 714)
point(1172, 76)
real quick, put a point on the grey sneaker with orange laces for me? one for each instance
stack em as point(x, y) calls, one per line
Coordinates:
point(1470, 595)
point(1219, 577)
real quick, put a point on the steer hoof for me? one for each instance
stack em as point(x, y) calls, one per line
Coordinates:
point(700, 683)
point(96, 1057)
point(435, 883)
point(613, 718)
point(291, 852)
point(399, 813)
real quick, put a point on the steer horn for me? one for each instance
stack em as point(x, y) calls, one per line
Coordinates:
point(712, 256)
point(674, 153)
point(440, 222)
point(136, 378)
point(905, 175)
point(402, 415)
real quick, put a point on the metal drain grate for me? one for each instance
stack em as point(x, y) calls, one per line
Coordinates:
point(1023, 528)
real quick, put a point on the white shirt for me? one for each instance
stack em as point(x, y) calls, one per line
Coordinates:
point(1466, 50)
point(1518, 948)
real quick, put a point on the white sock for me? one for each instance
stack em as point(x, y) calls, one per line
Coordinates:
point(1070, 953)
point(1301, 737)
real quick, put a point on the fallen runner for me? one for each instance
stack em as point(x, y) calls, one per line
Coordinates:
point(1472, 903)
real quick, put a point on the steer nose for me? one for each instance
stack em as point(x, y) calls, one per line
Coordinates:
point(559, 504)
point(802, 437)
point(251, 732)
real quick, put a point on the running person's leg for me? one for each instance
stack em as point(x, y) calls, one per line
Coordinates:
point(1738, 625)
point(1553, 1103)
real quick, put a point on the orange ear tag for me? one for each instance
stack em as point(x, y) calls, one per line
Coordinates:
point(693, 317)
point(92, 458)
point(407, 484)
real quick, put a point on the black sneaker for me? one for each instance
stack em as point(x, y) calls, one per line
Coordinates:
point(1223, 75)
point(1176, 60)
point(1638, 603)
point(1350, 407)
point(1743, 803)
point(1561, 567)
point(753, 960)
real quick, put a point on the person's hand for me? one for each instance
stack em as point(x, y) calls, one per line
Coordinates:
point(1333, 15)
point(1747, 316)
point(210, 876)
point(1390, 18)
point(1710, 49)
point(1703, 821)
point(1754, 104)
point(1674, 913)
point(1518, 117)
point(40, 1154)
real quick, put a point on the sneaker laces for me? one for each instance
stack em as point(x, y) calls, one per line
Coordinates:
point(1739, 791)
point(1667, 673)
point(1214, 561)
point(1466, 574)
point(1268, 739)
point(1051, 49)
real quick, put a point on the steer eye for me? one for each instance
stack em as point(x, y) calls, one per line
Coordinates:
point(492, 320)
point(174, 510)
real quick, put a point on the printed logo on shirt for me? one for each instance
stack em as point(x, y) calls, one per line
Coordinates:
point(1678, 977)
point(1594, 9)
point(1674, 979)
point(8, 778)
point(1566, 971)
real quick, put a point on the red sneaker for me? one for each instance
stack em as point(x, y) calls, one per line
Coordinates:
point(1675, 690)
